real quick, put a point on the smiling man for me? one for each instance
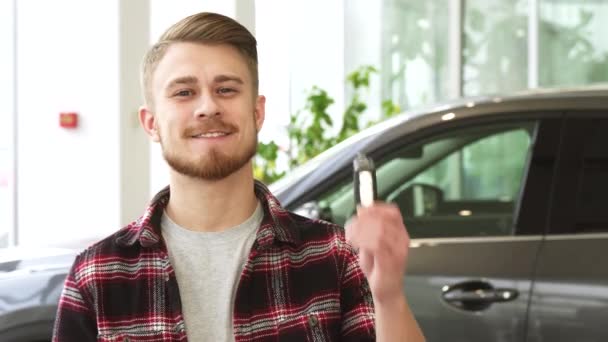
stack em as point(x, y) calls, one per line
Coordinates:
point(215, 257)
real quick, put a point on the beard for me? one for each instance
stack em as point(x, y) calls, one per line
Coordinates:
point(215, 165)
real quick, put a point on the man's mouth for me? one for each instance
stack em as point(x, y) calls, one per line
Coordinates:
point(211, 135)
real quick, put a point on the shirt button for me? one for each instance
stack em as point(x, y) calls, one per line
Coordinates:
point(313, 320)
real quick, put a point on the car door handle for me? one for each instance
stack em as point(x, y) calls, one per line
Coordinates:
point(482, 296)
point(476, 295)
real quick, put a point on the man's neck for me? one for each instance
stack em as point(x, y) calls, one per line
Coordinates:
point(212, 206)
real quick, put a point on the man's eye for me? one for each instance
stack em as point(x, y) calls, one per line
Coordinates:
point(184, 93)
point(225, 90)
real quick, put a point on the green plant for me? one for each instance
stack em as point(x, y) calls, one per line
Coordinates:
point(311, 129)
point(265, 167)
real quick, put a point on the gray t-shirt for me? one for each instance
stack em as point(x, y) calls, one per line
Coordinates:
point(208, 266)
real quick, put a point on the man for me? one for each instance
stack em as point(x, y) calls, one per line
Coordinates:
point(215, 257)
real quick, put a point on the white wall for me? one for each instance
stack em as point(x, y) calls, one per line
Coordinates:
point(7, 108)
point(67, 61)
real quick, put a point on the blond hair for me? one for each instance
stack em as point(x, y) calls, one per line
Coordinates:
point(204, 28)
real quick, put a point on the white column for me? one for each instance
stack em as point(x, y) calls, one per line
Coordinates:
point(533, 44)
point(456, 26)
point(134, 36)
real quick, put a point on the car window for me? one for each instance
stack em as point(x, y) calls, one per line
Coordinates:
point(581, 200)
point(465, 183)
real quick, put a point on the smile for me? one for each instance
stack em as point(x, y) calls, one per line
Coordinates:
point(211, 135)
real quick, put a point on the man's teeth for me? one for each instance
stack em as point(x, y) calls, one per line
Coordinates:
point(211, 135)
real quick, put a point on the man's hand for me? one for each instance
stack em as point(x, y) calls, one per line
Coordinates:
point(380, 236)
point(383, 242)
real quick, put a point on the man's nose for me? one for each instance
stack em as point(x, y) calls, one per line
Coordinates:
point(207, 106)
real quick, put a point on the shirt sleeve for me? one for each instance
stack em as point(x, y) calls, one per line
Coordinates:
point(356, 301)
point(75, 320)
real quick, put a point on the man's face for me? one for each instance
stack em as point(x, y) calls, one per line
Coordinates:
point(206, 115)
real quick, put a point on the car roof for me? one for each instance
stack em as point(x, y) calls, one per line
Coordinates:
point(592, 97)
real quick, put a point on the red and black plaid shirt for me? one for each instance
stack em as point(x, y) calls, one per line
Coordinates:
point(301, 282)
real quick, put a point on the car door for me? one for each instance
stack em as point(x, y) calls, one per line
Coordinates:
point(570, 295)
point(474, 201)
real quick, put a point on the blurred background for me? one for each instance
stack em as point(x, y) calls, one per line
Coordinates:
point(64, 183)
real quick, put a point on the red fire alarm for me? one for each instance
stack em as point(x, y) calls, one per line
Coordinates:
point(68, 120)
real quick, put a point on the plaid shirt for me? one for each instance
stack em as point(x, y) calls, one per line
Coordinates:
point(302, 282)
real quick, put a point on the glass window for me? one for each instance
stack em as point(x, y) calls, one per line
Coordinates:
point(487, 169)
point(462, 184)
point(573, 45)
point(495, 57)
point(414, 52)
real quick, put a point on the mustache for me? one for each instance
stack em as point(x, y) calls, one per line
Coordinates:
point(209, 126)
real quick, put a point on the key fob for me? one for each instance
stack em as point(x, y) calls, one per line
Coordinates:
point(365, 180)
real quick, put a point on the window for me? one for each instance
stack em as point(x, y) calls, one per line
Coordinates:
point(495, 46)
point(463, 184)
point(415, 52)
point(573, 45)
point(490, 168)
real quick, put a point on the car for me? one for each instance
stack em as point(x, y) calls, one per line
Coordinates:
point(504, 198)
point(31, 281)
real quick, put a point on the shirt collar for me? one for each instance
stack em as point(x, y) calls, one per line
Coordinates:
point(277, 224)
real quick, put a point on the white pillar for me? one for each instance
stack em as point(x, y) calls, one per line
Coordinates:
point(454, 56)
point(134, 36)
point(533, 43)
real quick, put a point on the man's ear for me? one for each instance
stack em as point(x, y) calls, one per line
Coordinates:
point(260, 112)
point(147, 119)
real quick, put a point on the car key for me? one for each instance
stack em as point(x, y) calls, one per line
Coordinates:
point(365, 180)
